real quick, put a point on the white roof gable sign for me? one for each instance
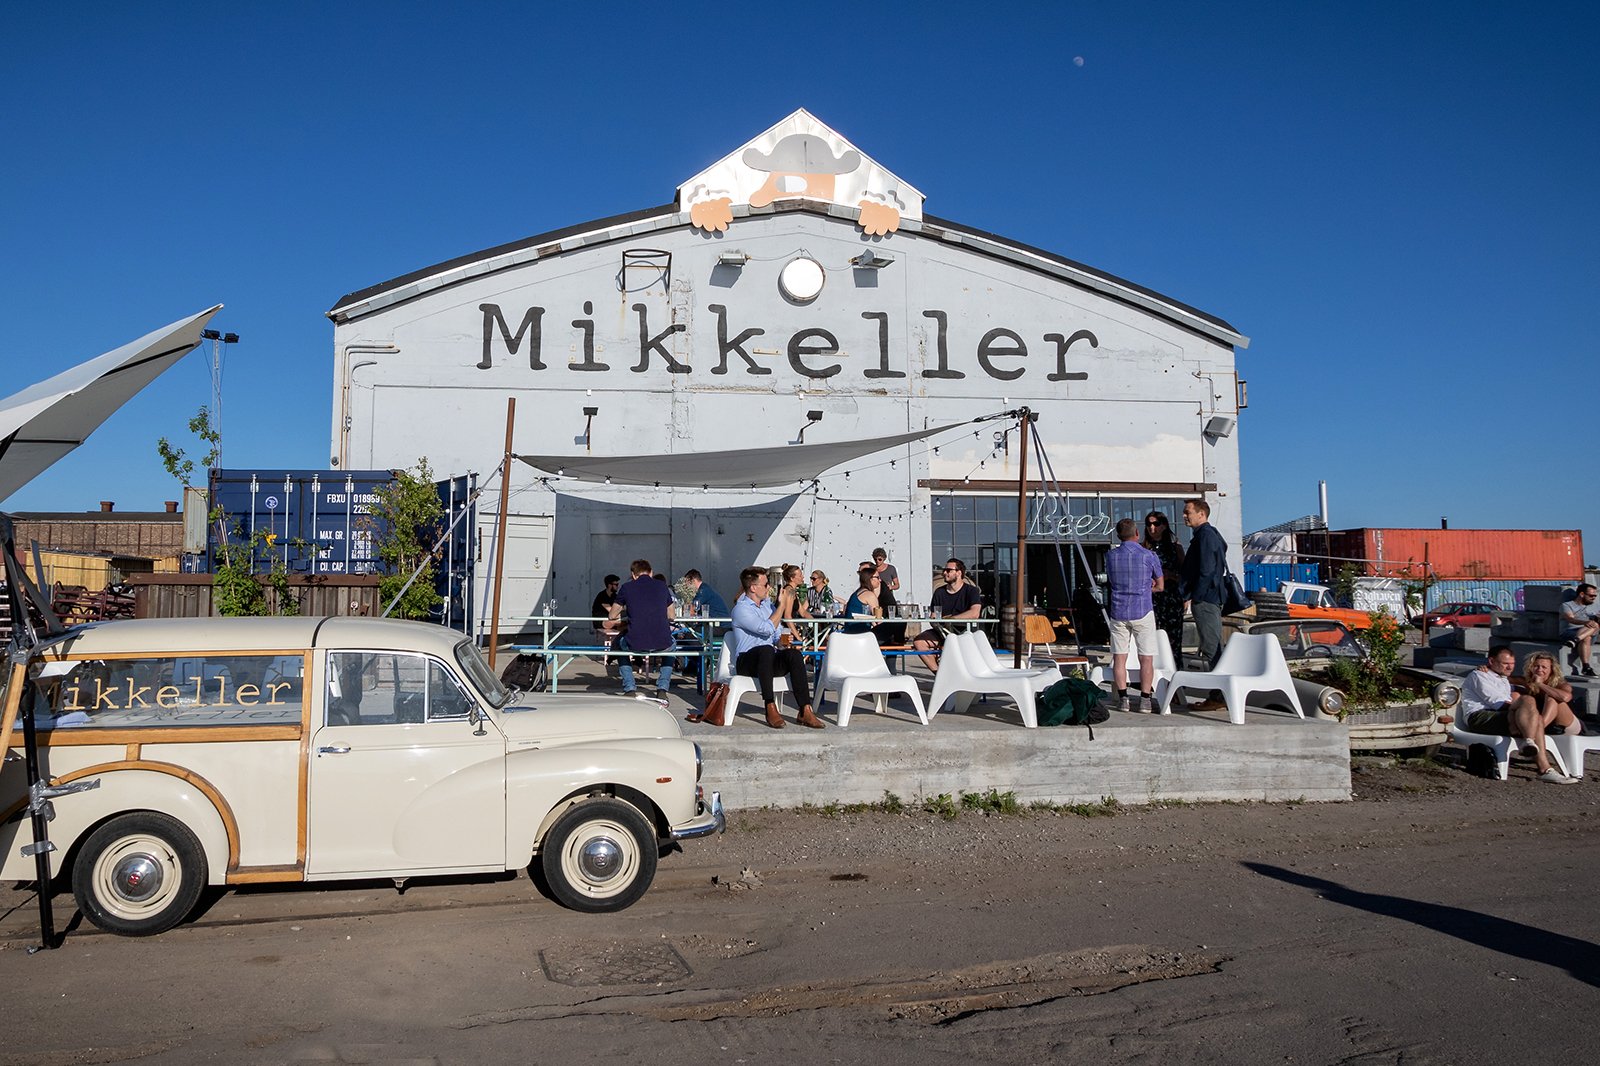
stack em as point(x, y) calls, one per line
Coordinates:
point(799, 159)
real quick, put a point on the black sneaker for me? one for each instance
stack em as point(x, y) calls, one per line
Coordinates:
point(1588, 671)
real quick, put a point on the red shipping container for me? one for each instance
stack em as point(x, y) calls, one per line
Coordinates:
point(1482, 554)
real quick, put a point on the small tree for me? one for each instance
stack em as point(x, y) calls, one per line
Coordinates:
point(176, 461)
point(405, 522)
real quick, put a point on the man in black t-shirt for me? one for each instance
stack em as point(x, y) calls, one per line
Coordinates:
point(600, 610)
point(958, 599)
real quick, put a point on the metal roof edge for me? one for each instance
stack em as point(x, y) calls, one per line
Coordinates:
point(476, 264)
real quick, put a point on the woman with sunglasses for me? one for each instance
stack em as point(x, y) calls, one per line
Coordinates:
point(819, 597)
point(1168, 602)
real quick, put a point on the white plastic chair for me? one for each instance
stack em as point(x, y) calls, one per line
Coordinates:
point(1570, 750)
point(1561, 756)
point(1250, 662)
point(854, 665)
point(1166, 665)
point(740, 686)
point(983, 651)
point(960, 678)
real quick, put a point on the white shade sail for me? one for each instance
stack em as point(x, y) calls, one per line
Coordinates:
point(740, 469)
point(42, 423)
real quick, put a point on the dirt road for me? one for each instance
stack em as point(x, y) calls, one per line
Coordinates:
point(1436, 919)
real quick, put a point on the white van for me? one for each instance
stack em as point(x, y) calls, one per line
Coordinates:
point(243, 750)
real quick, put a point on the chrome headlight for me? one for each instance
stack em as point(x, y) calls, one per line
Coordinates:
point(1331, 702)
point(1447, 693)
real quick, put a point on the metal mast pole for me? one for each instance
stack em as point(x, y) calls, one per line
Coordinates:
point(1025, 416)
point(500, 533)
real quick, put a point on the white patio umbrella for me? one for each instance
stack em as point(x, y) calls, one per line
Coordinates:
point(41, 424)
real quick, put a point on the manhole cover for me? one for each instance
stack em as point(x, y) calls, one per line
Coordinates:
point(616, 964)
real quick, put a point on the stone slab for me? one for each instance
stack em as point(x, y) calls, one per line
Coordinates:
point(1133, 758)
point(1543, 598)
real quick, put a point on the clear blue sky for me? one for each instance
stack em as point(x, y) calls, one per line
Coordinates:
point(1396, 202)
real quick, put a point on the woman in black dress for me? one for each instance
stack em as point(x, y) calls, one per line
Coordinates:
point(1168, 602)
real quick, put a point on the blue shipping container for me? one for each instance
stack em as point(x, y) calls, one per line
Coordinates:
point(1264, 577)
point(1504, 594)
point(320, 521)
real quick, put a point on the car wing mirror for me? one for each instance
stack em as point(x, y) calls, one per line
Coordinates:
point(475, 717)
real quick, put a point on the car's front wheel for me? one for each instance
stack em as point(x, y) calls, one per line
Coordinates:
point(139, 874)
point(599, 856)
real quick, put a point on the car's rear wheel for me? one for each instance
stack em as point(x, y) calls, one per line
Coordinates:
point(139, 874)
point(599, 856)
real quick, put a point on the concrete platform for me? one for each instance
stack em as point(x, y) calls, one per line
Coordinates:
point(1133, 758)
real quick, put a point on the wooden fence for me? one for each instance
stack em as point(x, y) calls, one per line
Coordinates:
point(189, 595)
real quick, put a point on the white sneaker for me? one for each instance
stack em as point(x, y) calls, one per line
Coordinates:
point(1556, 777)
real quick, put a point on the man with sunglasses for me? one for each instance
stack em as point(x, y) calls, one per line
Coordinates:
point(958, 599)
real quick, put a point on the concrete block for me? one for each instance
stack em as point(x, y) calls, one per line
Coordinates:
point(1475, 639)
point(1133, 758)
point(1542, 626)
point(1585, 698)
point(1511, 629)
point(1543, 598)
point(1445, 639)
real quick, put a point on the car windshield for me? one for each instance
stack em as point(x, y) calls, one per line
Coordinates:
point(1312, 639)
point(480, 675)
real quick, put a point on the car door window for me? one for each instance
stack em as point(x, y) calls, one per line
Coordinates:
point(376, 688)
point(446, 700)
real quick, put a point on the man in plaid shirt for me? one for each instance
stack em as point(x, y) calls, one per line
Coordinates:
point(1133, 572)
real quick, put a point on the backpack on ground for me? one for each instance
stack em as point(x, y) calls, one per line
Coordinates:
point(1072, 701)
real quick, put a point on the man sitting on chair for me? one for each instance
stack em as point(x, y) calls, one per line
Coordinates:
point(1488, 705)
point(650, 613)
point(753, 647)
point(958, 599)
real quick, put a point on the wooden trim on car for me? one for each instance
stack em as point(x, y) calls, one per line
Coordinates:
point(229, 824)
point(132, 753)
point(255, 875)
point(109, 655)
point(302, 815)
point(81, 736)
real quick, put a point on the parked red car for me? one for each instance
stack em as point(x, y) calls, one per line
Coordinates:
point(1461, 615)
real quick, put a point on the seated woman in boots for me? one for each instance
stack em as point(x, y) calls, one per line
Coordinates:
point(753, 643)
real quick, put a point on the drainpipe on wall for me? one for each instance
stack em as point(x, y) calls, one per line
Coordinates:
point(342, 460)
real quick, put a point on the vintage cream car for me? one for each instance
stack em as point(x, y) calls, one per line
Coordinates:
point(238, 751)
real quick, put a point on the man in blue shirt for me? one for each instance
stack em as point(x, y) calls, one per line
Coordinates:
point(1204, 565)
point(753, 646)
point(705, 595)
point(649, 606)
point(1133, 572)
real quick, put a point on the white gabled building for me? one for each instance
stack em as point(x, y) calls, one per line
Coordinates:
point(792, 278)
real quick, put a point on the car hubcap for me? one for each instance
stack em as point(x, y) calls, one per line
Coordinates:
point(600, 859)
point(136, 878)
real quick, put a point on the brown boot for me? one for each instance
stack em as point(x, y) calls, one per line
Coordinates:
point(774, 719)
point(808, 719)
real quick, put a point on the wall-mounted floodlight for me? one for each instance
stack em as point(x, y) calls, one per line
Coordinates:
point(812, 417)
point(732, 258)
point(1219, 426)
point(588, 421)
point(870, 260)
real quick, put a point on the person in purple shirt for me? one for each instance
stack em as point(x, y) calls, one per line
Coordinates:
point(649, 606)
point(1133, 573)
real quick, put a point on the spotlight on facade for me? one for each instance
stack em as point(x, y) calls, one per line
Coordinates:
point(1219, 426)
point(812, 417)
point(588, 423)
point(870, 260)
point(733, 258)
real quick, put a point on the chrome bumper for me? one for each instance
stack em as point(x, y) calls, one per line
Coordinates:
point(708, 819)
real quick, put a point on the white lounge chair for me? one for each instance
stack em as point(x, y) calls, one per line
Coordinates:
point(961, 677)
point(1166, 665)
point(1042, 677)
point(853, 664)
point(1570, 749)
point(740, 686)
point(1250, 662)
point(1504, 746)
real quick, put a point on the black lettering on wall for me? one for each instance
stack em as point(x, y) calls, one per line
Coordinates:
point(530, 328)
point(799, 348)
point(1062, 344)
point(587, 326)
point(988, 350)
point(943, 369)
point(726, 347)
point(882, 369)
point(648, 344)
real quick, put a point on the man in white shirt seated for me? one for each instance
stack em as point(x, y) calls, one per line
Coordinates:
point(1490, 705)
point(1582, 617)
